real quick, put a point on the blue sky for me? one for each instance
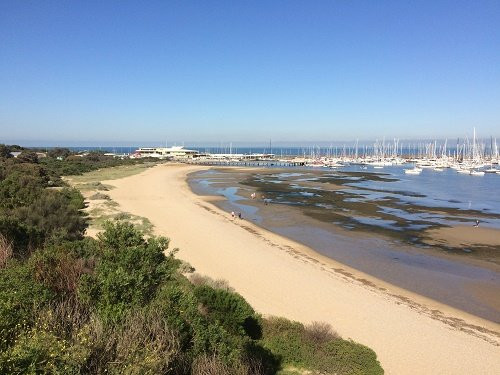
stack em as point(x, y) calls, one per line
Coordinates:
point(200, 71)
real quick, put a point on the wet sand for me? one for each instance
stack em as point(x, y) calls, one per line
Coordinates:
point(463, 236)
point(411, 334)
point(456, 278)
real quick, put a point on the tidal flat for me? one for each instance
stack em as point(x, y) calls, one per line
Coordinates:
point(372, 222)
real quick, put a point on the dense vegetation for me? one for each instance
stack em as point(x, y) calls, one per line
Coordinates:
point(121, 303)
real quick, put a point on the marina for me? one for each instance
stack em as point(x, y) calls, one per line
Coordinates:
point(473, 157)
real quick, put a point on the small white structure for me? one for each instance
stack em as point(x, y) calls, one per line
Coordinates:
point(165, 152)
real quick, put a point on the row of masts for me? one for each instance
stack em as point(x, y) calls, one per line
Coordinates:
point(466, 156)
point(463, 150)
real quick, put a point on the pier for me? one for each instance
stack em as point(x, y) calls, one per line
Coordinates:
point(247, 163)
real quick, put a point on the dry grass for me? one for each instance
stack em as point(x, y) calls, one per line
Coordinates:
point(147, 335)
point(64, 317)
point(199, 280)
point(143, 344)
point(212, 365)
point(61, 272)
point(6, 251)
point(320, 333)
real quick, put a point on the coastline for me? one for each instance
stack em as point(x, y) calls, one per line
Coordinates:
point(410, 333)
point(454, 278)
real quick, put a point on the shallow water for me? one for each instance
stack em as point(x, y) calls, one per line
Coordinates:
point(454, 282)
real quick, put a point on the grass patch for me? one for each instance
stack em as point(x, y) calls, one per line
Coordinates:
point(91, 186)
point(141, 223)
point(94, 178)
point(111, 204)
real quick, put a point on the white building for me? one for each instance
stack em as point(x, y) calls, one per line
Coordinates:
point(165, 152)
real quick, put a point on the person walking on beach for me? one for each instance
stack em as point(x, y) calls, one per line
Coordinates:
point(477, 223)
point(232, 215)
point(239, 215)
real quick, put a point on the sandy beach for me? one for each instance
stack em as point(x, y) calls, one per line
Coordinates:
point(410, 334)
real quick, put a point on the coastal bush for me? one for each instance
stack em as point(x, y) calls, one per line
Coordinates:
point(319, 333)
point(129, 271)
point(38, 351)
point(199, 280)
point(6, 251)
point(229, 309)
point(22, 237)
point(19, 189)
point(59, 269)
point(59, 152)
point(145, 344)
point(324, 352)
point(27, 156)
point(20, 296)
point(55, 214)
point(5, 151)
point(197, 334)
point(30, 213)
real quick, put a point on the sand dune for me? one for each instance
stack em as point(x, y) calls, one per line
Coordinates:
point(411, 334)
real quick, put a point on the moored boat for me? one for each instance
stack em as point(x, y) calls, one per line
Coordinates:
point(476, 173)
point(415, 170)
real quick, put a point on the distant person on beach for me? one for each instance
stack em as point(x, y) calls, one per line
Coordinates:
point(232, 215)
point(264, 199)
point(477, 224)
point(239, 215)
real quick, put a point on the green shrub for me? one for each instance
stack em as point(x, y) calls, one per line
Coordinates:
point(20, 296)
point(129, 271)
point(229, 309)
point(22, 237)
point(19, 189)
point(117, 236)
point(38, 352)
point(317, 348)
point(55, 215)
